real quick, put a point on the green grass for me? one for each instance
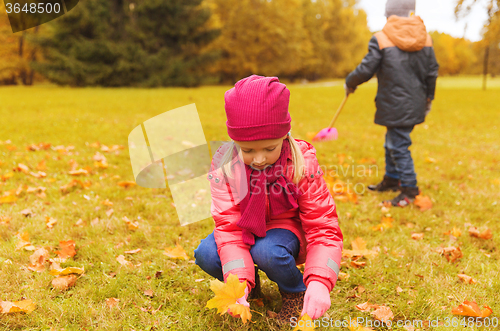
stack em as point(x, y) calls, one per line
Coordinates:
point(461, 134)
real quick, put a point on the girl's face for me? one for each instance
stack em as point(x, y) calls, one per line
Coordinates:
point(260, 154)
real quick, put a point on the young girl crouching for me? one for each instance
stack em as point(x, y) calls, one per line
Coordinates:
point(270, 204)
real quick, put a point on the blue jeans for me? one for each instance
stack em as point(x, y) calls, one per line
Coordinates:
point(274, 254)
point(398, 161)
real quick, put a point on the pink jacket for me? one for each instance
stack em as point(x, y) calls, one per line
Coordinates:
point(315, 223)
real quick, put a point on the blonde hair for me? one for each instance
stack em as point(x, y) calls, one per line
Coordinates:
point(297, 161)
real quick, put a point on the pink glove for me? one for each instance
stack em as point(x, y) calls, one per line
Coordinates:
point(242, 301)
point(317, 300)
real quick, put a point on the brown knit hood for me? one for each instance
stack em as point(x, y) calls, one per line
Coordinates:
point(407, 33)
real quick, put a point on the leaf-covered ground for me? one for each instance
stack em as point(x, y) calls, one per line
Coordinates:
point(457, 159)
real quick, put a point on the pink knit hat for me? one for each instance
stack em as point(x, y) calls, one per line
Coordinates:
point(257, 108)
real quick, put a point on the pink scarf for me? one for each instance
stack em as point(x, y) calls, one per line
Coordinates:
point(283, 195)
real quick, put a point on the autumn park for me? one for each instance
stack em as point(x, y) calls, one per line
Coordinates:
point(83, 246)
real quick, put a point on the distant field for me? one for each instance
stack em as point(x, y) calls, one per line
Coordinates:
point(457, 159)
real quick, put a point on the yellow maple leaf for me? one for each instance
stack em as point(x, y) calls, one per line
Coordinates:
point(26, 306)
point(384, 225)
point(177, 252)
point(305, 324)
point(241, 311)
point(8, 199)
point(67, 271)
point(359, 249)
point(226, 295)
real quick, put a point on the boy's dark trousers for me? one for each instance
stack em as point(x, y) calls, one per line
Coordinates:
point(398, 161)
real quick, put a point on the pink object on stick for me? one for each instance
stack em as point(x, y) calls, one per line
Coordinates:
point(330, 133)
point(327, 134)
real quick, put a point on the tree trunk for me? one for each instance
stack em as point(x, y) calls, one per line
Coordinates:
point(22, 72)
point(32, 59)
point(485, 66)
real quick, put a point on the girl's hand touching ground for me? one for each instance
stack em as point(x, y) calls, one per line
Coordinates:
point(316, 300)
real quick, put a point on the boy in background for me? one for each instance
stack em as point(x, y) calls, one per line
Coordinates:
point(403, 58)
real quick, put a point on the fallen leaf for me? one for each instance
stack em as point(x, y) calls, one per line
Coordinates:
point(24, 242)
point(366, 306)
point(359, 249)
point(73, 183)
point(113, 148)
point(305, 324)
point(122, 261)
point(41, 165)
point(343, 276)
point(54, 264)
point(6, 176)
point(383, 314)
point(112, 302)
point(107, 202)
point(451, 253)
point(8, 199)
point(417, 236)
point(36, 189)
point(423, 202)
point(67, 271)
point(133, 251)
point(26, 212)
point(109, 212)
point(67, 249)
point(5, 220)
point(358, 264)
point(176, 252)
point(126, 184)
point(22, 168)
point(39, 174)
point(466, 279)
point(50, 222)
point(80, 223)
point(95, 221)
point(384, 225)
point(64, 282)
point(226, 295)
point(486, 234)
point(101, 164)
point(430, 160)
point(271, 314)
point(38, 259)
point(131, 225)
point(25, 306)
point(455, 232)
point(470, 308)
point(399, 289)
point(148, 293)
point(78, 172)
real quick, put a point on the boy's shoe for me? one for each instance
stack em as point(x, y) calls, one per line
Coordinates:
point(387, 184)
point(405, 198)
point(292, 306)
point(256, 292)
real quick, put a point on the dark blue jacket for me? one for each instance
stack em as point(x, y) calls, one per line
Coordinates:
point(403, 58)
